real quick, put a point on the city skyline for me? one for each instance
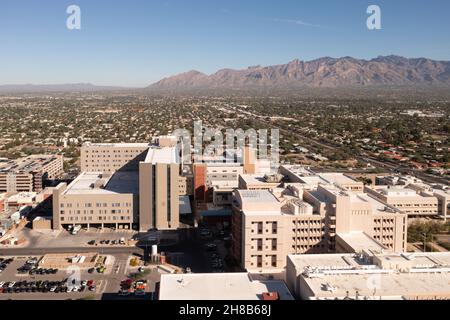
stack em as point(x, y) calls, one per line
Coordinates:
point(137, 43)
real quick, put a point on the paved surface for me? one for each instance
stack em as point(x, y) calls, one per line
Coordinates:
point(108, 284)
point(59, 239)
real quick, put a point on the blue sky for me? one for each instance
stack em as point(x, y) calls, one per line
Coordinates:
point(137, 42)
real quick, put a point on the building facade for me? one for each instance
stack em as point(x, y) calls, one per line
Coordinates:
point(27, 174)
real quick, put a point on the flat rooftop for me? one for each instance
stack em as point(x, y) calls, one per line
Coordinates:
point(368, 286)
point(118, 145)
point(258, 202)
point(166, 155)
point(398, 192)
point(121, 182)
point(359, 242)
point(28, 164)
point(258, 180)
point(299, 171)
point(257, 196)
point(348, 261)
point(313, 180)
point(338, 178)
point(377, 206)
point(218, 286)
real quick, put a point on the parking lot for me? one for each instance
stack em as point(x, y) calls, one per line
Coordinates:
point(201, 250)
point(17, 281)
point(22, 279)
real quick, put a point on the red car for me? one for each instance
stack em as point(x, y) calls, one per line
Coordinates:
point(90, 283)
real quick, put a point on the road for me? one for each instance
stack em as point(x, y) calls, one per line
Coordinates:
point(368, 159)
point(42, 251)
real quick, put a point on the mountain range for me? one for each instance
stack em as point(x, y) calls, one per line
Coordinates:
point(319, 73)
point(326, 73)
point(49, 88)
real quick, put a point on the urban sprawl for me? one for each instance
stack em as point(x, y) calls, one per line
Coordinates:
point(357, 208)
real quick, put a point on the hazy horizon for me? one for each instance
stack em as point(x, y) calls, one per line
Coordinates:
point(136, 43)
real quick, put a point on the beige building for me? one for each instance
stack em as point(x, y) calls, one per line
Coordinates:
point(406, 200)
point(300, 174)
point(266, 229)
point(97, 199)
point(313, 214)
point(159, 183)
point(259, 182)
point(111, 157)
point(222, 287)
point(381, 276)
point(442, 195)
point(125, 184)
point(27, 174)
point(348, 211)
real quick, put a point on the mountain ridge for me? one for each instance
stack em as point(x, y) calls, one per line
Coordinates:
point(321, 72)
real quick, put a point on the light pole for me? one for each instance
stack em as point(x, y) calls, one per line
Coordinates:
point(424, 242)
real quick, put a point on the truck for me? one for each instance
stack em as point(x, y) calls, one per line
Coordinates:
point(76, 229)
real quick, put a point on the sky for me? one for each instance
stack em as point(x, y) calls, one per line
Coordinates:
point(134, 43)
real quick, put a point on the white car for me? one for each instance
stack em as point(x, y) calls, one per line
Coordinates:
point(69, 289)
point(52, 289)
point(84, 282)
point(11, 284)
point(2, 283)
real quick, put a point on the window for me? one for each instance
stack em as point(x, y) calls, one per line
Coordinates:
point(259, 244)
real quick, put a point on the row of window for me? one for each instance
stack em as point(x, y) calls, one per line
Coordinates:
point(98, 205)
point(121, 218)
point(309, 230)
point(308, 239)
point(304, 248)
point(259, 260)
point(305, 223)
point(415, 205)
point(114, 211)
point(114, 151)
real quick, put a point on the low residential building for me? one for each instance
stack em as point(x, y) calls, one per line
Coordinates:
point(220, 286)
point(379, 276)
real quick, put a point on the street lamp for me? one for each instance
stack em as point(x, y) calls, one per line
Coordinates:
point(424, 242)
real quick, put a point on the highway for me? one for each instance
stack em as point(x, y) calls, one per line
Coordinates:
point(368, 159)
